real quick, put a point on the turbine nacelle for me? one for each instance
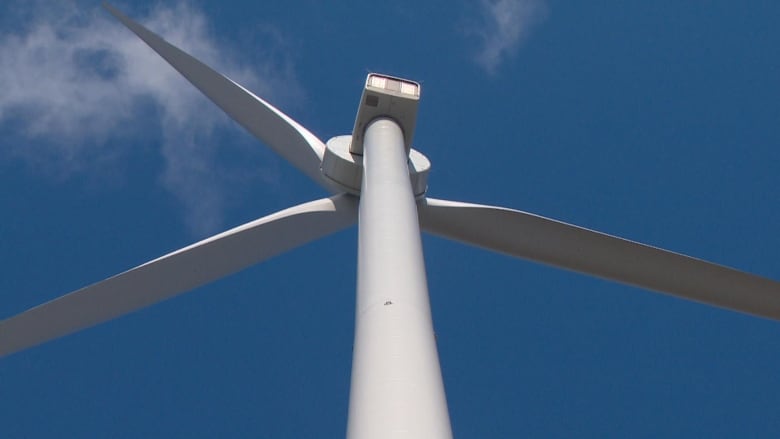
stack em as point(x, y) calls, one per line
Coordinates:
point(386, 96)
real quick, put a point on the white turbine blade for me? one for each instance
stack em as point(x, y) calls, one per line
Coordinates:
point(178, 272)
point(586, 251)
point(288, 138)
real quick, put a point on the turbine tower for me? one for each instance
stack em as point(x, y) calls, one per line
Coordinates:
point(379, 181)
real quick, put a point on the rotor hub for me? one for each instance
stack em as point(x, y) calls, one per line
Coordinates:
point(344, 169)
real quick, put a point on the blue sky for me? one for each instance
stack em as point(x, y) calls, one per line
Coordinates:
point(655, 121)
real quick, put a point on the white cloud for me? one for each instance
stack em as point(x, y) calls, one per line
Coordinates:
point(505, 26)
point(75, 86)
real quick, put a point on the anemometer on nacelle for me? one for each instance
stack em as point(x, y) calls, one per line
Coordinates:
point(383, 97)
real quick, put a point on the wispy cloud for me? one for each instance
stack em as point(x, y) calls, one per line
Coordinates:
point(504, 26)
point(75, 86)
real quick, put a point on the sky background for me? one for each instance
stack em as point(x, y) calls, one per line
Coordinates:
point(656, 121)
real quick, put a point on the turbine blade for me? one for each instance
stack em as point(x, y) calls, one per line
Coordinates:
point(288, 138)
point(178, 272)
point(551, 242)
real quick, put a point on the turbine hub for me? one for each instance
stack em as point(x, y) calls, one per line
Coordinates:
point(344, 169)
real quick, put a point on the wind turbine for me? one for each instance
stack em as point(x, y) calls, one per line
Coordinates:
point(380, 182)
